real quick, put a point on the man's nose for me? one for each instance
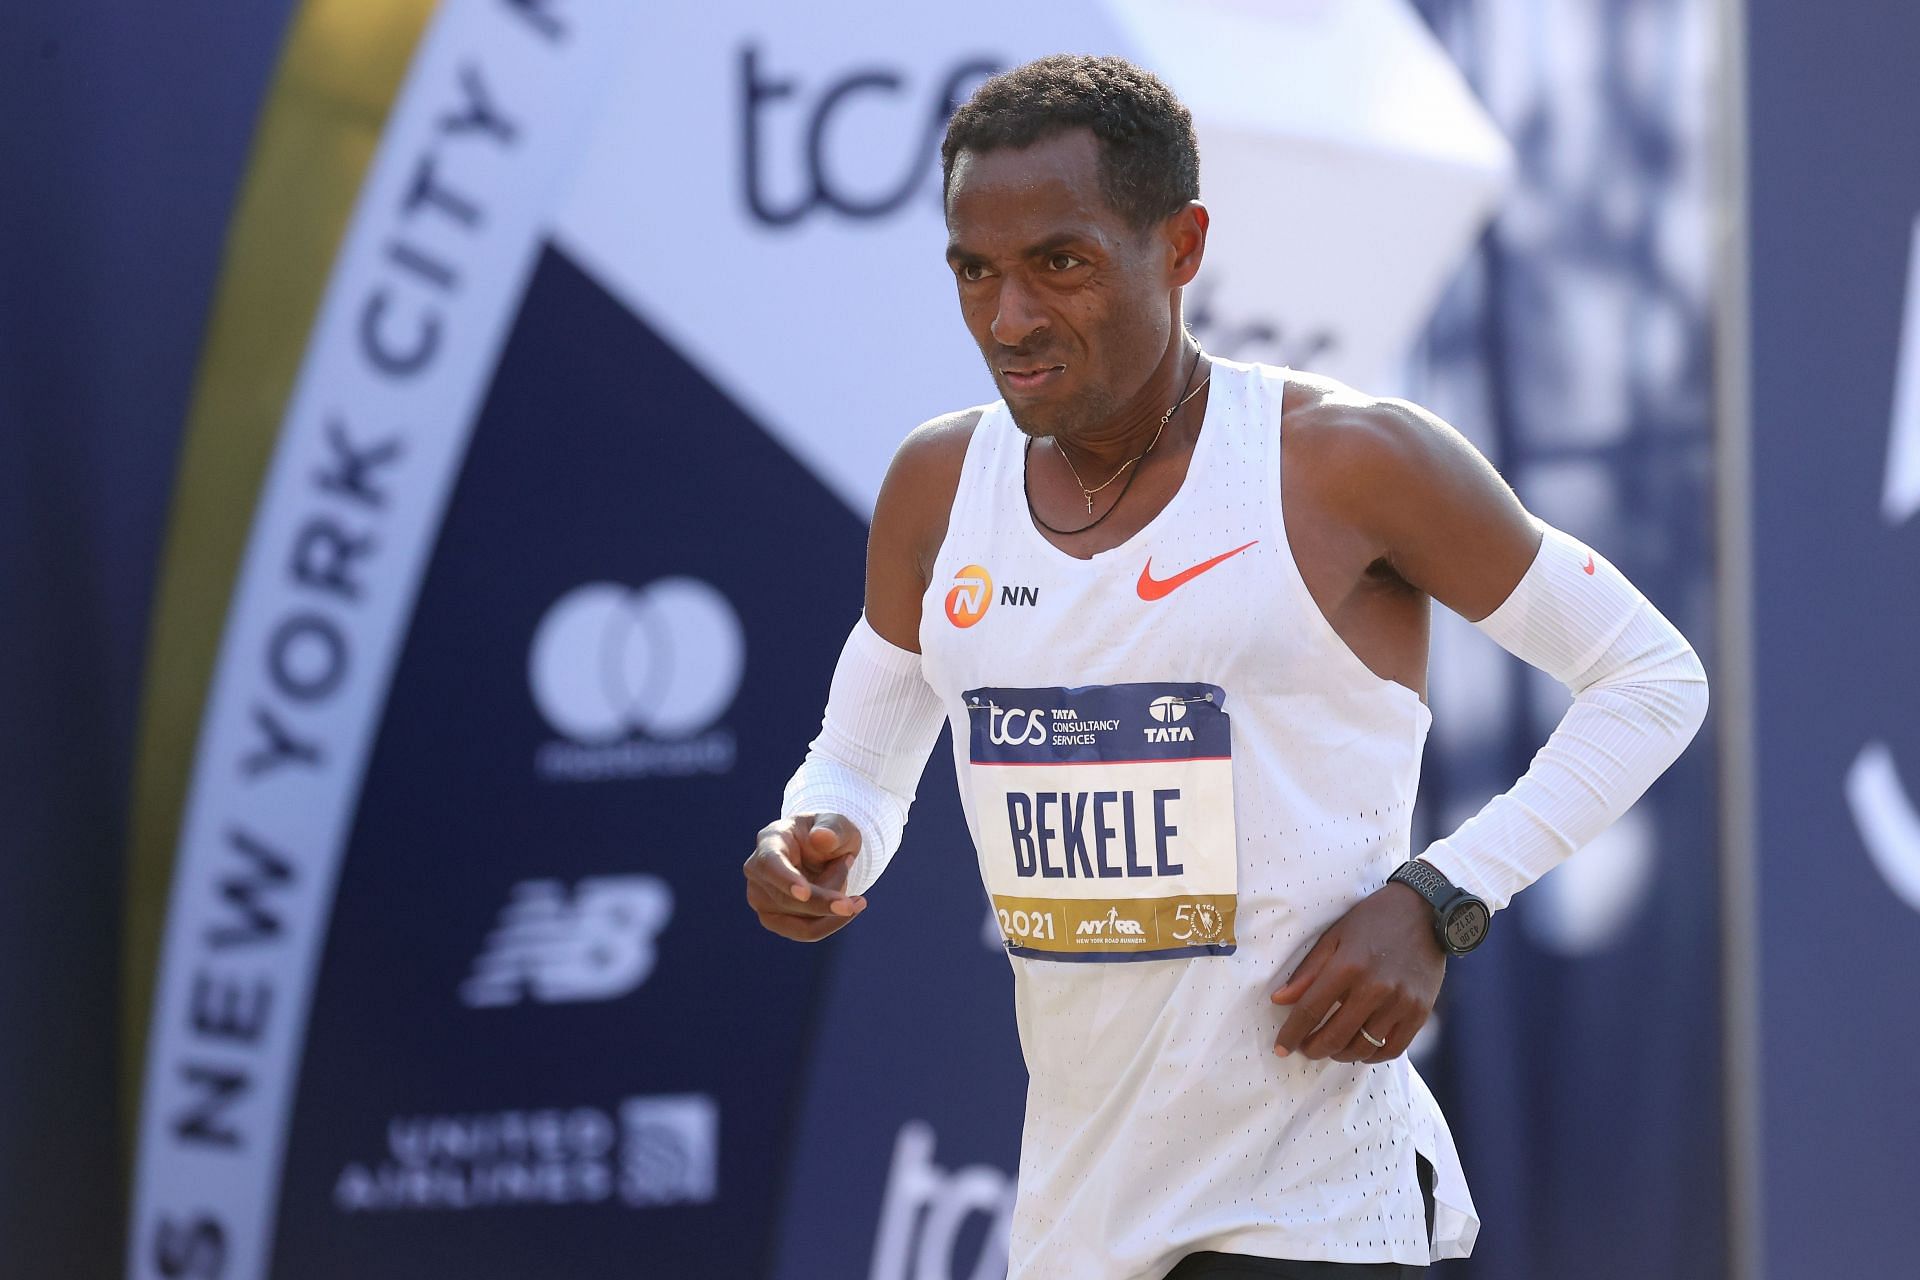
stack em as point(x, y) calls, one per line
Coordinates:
point(1015, 317)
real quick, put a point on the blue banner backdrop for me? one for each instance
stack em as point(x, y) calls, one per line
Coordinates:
point(538, 1004)
point(1580, 1059)
point(1834, 204)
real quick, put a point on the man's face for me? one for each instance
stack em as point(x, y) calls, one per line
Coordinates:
point(1070, 305)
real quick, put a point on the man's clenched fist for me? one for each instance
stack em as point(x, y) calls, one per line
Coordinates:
point(797, 875)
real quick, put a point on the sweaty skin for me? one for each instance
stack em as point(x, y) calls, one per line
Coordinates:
point(1386, 507)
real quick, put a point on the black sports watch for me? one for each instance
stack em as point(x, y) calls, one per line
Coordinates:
point(1460, 920)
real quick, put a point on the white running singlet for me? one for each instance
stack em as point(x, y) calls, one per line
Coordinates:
point(1177, 776)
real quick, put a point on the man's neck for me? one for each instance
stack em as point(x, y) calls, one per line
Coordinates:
point(1102, 447)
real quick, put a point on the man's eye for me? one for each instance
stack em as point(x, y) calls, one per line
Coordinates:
point(973, 271)
point(1062, 261)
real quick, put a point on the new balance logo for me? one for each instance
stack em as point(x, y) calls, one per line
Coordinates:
point(1115, 925)
point(547, 948)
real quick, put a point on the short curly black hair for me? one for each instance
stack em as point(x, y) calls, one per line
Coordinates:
point(1149, 161)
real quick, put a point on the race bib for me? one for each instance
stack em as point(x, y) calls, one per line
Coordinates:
point(1105, 816)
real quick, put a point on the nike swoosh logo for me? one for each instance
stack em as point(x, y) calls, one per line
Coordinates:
point(1152, 588)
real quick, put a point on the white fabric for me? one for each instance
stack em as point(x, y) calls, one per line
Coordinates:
point(1159, 1120)
point(1639, 697)
point(879, 728)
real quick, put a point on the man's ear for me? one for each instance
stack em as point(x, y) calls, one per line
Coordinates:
point(1186, 232)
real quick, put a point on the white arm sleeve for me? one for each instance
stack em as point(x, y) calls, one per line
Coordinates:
point(881, 722)
point(1639, 697)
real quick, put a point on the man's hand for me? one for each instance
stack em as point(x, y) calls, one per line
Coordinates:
point(1379, 968)
point(797, 875)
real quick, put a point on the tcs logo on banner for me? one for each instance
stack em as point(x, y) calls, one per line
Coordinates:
point(839, 129)
point(927, 1212)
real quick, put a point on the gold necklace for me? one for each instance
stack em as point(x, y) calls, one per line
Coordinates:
point(1165, 418)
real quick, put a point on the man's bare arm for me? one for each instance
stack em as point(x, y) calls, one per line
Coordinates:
point(1419, 496)
point(1426, 503)
point(910, 522)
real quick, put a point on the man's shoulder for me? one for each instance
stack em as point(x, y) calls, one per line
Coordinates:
point(947, 432)
point(1339, 433)
point(917, 494)
point(935, 450)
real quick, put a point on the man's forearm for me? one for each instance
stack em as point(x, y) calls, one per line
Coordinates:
point(880, 725)
point(1640, 695)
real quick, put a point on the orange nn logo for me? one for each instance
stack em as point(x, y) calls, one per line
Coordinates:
point(972, 592)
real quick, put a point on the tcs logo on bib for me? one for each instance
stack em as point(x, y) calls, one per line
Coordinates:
point(972, 592)
point(1016, 726)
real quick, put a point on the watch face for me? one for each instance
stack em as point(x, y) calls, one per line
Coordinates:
point(1466, 926)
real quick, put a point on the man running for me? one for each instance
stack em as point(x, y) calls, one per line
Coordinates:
point(1175, 609)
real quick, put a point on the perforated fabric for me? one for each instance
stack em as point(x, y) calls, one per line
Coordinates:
point(1159, 1120)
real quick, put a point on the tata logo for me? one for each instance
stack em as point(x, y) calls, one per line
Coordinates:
point(1015, 727)
point(833, 126)
point(1168, 733)
point(971, 593)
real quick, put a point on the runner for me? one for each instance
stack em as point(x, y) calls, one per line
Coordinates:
point(1175, 609)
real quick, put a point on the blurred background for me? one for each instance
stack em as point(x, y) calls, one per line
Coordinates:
point(436, 444)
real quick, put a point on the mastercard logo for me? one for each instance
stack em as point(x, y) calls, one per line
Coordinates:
point(969, 597)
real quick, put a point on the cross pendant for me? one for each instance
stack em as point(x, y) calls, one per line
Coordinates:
point(1089, 502)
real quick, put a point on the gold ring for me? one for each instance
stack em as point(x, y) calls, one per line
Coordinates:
point(1368, 1037)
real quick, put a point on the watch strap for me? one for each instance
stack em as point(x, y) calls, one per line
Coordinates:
point(1426, 880)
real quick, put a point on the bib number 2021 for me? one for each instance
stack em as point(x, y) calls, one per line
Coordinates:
point(1026, 924)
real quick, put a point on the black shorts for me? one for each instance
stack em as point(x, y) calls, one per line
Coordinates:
point(1233, 1266)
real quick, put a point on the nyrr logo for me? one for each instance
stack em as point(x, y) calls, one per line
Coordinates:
point(597, 946)
point(636, 679)
point(969, 597)
point(1114, 926)
point(1014, 726)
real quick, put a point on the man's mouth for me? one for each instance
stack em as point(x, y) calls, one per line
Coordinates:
point(1032, 377)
